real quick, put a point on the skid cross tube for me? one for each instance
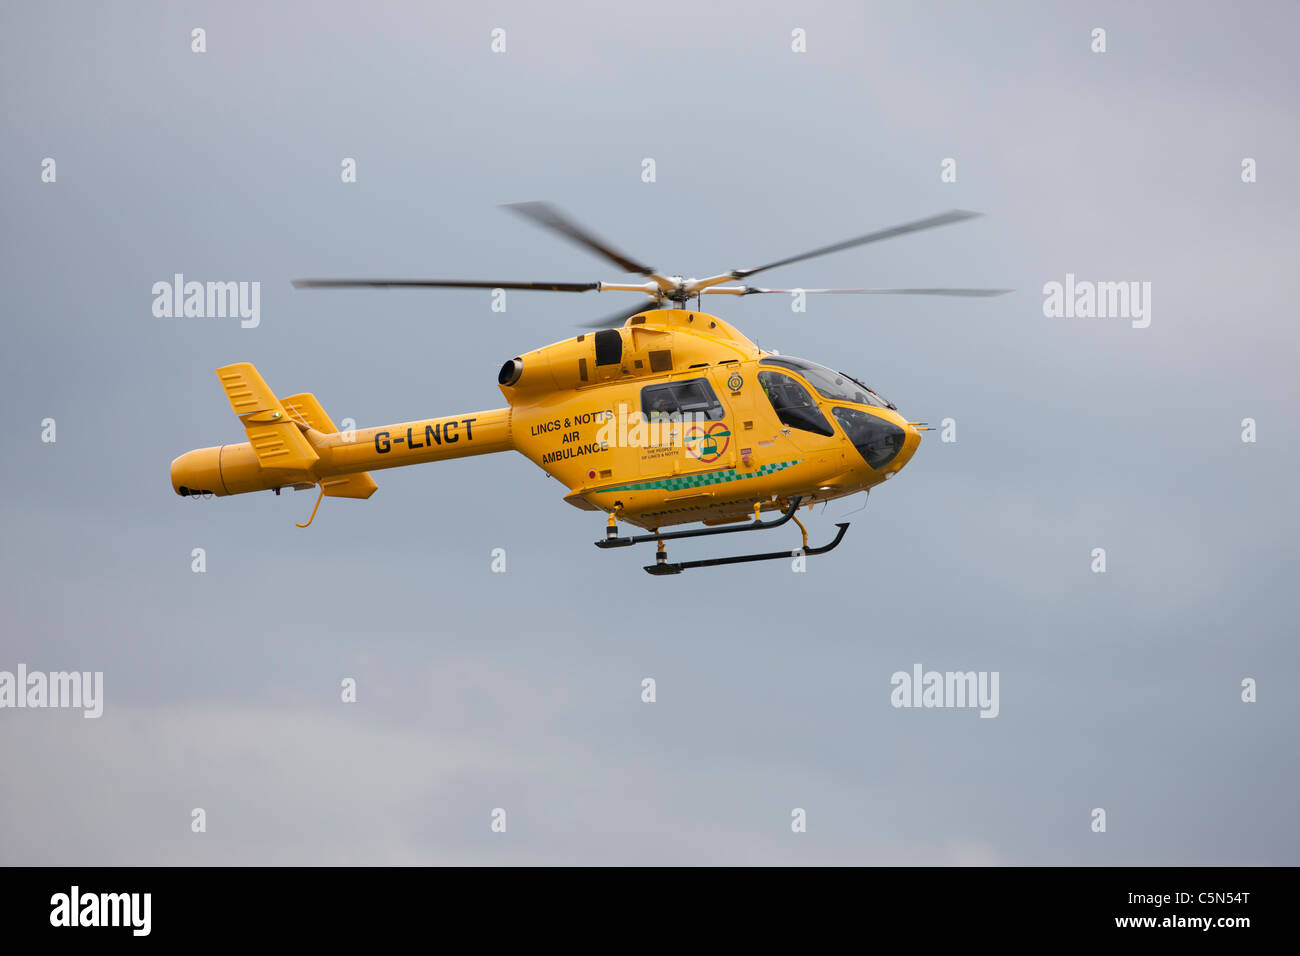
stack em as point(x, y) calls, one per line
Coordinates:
point(681, 566)
point(755, 525)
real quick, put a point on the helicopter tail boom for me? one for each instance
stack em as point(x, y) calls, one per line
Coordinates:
point(292, 442)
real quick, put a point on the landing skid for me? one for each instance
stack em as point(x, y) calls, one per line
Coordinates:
point(663, 566)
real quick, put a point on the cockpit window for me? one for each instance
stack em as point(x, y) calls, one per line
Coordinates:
point(794, 406)
point(836, 386)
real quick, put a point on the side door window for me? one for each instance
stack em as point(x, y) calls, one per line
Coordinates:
point(793, 405)
point(691, 400)
point(688, 420)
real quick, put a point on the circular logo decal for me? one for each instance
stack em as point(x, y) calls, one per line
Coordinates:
point(707, 444)
point(735, 382)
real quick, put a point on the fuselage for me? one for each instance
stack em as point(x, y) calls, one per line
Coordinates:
point(687, 420)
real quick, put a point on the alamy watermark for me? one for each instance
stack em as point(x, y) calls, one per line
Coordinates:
point(660, 428)
point(36, 689)
point(1084, 299)
point(179, 299)
point(923, 688)
point(76, 908)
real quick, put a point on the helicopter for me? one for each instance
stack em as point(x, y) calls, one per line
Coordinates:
point(664, 416)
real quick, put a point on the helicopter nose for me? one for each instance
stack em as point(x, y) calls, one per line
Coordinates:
point(911, 441)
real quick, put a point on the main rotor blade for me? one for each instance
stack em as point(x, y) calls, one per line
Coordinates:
point(943, 219)
point(442, 284)
point(751, 290)
point(544, 214)
point(618, 318)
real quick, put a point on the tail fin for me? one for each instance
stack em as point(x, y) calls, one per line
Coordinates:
point(277, 440)
point(356, 485)
point(276, 428)
point(305, 408)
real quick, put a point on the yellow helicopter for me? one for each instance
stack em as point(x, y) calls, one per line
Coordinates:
point(672, 418)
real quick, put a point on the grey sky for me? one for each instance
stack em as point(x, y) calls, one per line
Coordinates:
point(479, 690)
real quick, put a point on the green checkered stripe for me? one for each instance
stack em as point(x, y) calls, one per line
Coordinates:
point(682, 482)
